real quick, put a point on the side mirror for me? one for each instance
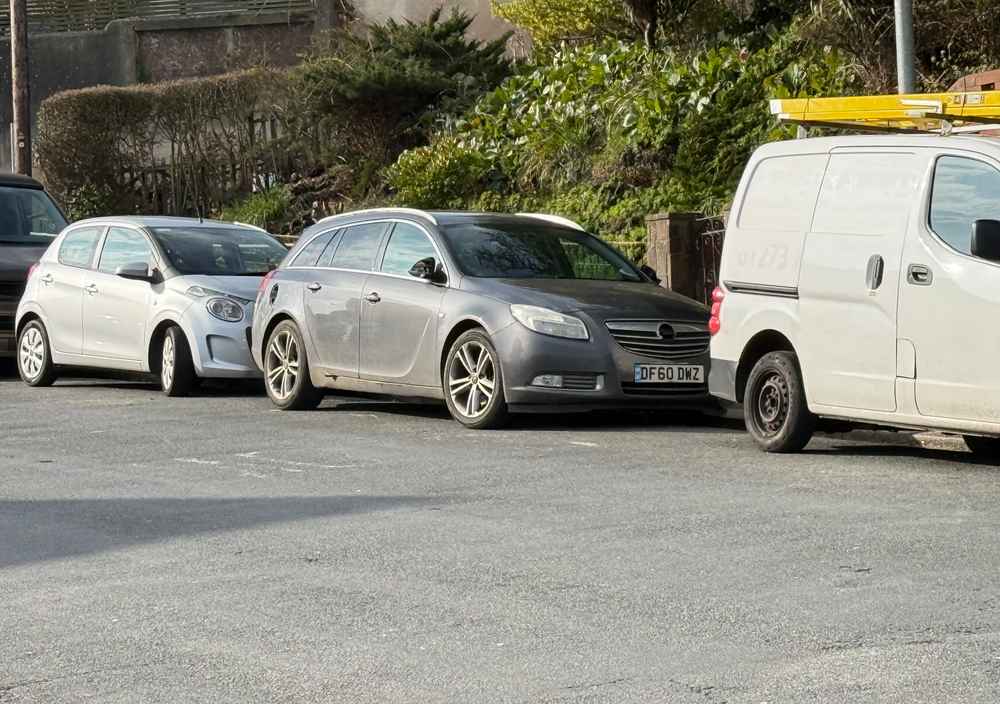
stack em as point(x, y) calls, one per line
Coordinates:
point(137, 271)
point(650, 272)
point(429, 270)
point(986, 240)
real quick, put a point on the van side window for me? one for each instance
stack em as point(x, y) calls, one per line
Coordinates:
point(867, 193)
point(782, 193)
point(77, 248)
point(309, 255)
point(965, 190)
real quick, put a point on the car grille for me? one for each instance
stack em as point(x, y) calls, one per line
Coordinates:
point(660, 338)
point(10, 295)
point(12, 289)
point(663, 390)
point(579, 382)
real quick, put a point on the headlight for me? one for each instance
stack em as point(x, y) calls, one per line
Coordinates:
point(225, 309)
point(549, 322)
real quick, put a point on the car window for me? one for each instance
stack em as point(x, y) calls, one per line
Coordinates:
point(408, 244)
point(28, 216)
point(77, 248)
point(965, 190)
point(219, 251)
point(310, 254)
point(123, 247)
point(358, 246)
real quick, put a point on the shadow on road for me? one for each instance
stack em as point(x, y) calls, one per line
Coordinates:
point(904, 451)
point(35, 531)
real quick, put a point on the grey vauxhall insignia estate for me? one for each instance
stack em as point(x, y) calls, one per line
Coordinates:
point(494, 314)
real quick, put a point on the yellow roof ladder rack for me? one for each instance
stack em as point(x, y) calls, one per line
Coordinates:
point(927, 113)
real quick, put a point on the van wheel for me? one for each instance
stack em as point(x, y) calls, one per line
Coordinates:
point(286, 370)
point(34, 359)
point(985, 448)
point(774, 404)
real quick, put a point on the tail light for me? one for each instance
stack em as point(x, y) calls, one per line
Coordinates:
point(264, 282)
point(715, 322)
point(31, 270)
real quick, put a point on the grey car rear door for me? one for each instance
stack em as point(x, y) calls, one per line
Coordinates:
point(399, 313)
point(332, 298)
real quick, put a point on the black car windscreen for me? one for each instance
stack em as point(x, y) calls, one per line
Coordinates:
point(218, 251)
point(530, 251)
point(28, 216)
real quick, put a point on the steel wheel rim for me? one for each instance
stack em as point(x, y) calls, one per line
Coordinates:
point(281, 365)
point(31, 355)
point(168, 362)
point(771, 404)
point(472, 379)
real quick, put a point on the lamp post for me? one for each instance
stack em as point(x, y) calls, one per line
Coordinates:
point(905, 75)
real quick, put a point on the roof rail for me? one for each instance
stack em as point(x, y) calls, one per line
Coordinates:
point(930, 113)
point(251, 226)
point(557, 219)
point(409, 211)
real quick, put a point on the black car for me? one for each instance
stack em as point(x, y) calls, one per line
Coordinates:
point(29, 220)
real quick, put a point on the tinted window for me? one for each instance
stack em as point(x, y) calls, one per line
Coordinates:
point(309, 255)
point(358, 246)
point(530, 251)
point(220, 251)
point(965, 190)
point(77, 248)
point(407, 246)
point(28, 216)
point(123, 247)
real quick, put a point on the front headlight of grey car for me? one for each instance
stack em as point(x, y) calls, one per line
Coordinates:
point(550, 322)
point(225, 309)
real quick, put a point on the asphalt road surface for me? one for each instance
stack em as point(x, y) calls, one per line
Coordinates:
point(213, 550)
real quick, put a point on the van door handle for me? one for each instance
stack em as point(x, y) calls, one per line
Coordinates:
point(92, 289)
point(373, 297)
point(314, 286)
point(919, 275)
point(876, 269)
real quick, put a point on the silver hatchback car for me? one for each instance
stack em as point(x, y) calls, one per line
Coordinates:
point(494, 314)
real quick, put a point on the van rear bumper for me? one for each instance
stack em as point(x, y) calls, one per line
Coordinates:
point(722, 379)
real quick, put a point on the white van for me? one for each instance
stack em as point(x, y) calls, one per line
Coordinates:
point(860, 281)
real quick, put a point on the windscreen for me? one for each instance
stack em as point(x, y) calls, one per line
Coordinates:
point(28, 216)
point(217, 251)
point(535, 251)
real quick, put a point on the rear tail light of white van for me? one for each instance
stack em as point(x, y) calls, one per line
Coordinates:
point(715, 322)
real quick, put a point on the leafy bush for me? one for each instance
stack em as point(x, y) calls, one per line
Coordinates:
point(611, 133)
point(550, 22)
point(263, 209)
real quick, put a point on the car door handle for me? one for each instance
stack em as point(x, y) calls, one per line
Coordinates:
point(47, 279)
point(373, 297)
point(919, 275)
point(875, 272)
point(92, 289)
point(314, 286)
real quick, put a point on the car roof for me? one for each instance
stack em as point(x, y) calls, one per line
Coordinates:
point(164, 221)
point(441, 218)
point(18, 181)
point(981, 144)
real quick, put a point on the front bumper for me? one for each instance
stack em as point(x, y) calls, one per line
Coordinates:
point(525, 355)
point(221, 350)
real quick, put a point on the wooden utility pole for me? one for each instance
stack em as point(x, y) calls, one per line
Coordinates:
point(21, 128)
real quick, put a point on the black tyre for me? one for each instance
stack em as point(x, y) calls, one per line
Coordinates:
point(473, 383)
point(177, 374)
point(34, 357)
point(286, 370)
point(984, 448)
point(774, 404)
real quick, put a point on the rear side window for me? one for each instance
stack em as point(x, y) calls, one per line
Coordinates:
point(965, 190)
point(782, 193)
point(867, 193)
point(358, 246)
point(123, 247)
point(310, 254)
point(77, 248)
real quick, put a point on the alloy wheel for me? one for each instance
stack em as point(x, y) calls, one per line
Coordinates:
point(32, 353)
point(281, 365)
point(472, 379)
point(168, 362)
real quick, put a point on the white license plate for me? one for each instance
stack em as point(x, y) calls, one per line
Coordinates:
point(669, 374)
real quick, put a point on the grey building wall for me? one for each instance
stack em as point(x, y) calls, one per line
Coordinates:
point(485, 26)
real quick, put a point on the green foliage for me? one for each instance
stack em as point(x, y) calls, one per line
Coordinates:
point(611, 133)
point(444, 175)
point(263, 209)
point(550, 22)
